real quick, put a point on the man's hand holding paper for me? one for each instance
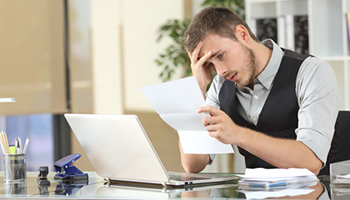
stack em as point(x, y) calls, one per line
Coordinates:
point(219, 125)
point(177, 102)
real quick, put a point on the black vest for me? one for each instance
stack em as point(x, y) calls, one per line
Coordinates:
point(279, 115)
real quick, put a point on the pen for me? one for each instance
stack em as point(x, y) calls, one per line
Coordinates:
point(7, 143)
point(3, 142)
point(20, 145)
point(17, 145)
point(26, 145)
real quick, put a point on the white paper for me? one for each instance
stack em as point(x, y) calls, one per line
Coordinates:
point(296, 182)
point(280, 193)
point(276, 173)
point(176, 103)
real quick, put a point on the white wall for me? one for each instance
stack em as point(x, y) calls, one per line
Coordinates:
point(141, 21)
point(124, 49)
point(106, 20)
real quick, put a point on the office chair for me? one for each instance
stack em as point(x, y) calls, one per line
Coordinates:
point(340, 148)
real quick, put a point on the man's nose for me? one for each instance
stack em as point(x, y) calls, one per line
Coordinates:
point(221, 70)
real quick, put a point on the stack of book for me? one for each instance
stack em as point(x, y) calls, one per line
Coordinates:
point(288, 31)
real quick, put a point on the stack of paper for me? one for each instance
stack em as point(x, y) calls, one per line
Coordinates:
point(176, 103)
point(272, 179)
point(277, 193)
point(342, 179)
point(263, 183)
point(340, 193)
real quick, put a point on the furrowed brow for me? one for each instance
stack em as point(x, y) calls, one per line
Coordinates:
point(212, 56)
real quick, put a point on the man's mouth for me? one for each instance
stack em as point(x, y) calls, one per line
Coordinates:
point(233, 77)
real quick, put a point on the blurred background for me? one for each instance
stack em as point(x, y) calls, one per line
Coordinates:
point(92, 56)
point(88, 56)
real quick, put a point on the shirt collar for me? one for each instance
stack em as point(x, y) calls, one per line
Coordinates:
point(267, 76)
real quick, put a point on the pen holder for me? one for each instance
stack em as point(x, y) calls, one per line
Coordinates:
point(15, 168)
point(17, 189)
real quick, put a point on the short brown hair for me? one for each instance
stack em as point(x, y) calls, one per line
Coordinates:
point(213, 20)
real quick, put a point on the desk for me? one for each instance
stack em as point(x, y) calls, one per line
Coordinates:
point(97, 189)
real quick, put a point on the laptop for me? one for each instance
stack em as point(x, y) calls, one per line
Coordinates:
point(120, 150)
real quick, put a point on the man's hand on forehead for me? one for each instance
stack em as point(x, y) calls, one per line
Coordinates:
point(203, 74)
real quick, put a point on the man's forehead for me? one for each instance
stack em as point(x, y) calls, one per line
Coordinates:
point(213, 54)
point(215, 44)
point(205, 48)
point(210, 43)
point(208, 47)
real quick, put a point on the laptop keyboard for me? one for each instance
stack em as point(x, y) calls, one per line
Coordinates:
point(186, 178)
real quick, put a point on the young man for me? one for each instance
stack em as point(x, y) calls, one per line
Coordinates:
point(277, 106)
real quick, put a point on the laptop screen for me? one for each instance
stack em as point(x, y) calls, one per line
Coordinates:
point(118, 147)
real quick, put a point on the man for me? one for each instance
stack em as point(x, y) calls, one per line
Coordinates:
point(277, 106)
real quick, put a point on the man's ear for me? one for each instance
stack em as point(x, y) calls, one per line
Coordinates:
point(242, 33)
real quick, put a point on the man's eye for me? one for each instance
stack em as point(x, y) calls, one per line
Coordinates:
point(221, 55)
point(208, 65)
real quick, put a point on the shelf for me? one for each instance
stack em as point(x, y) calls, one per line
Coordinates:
point(327, 34)
point(335, 58)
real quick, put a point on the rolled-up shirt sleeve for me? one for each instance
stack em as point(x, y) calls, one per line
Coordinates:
point(319, 101)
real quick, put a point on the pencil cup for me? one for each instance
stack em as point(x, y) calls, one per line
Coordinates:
point(18, 188)
point(15, 168)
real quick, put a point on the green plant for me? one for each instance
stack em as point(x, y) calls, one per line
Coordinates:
point(236, 6)
point(175, 55)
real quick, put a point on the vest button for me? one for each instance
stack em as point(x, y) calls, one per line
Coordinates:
point(256, 97)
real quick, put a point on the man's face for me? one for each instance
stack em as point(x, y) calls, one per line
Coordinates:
point(230, 59)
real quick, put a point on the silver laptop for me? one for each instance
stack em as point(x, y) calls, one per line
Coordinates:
point(120, 150)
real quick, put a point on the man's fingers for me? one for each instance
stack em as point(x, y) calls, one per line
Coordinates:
point(209, 109)
point(215, 134)
point(210, 121)
point(211, 127)
point(195, 53)
point(204, 58)
point(212, 134)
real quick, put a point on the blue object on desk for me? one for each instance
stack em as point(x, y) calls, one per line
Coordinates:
point(66, 171)
point(69, 187)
